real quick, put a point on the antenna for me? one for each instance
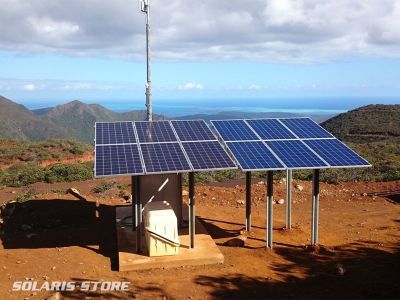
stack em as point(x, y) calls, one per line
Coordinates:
point(145, 7)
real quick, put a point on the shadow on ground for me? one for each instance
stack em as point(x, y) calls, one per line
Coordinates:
point(62, 223)
point(353, 271)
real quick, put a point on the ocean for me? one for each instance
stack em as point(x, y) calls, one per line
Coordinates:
point(179, 108)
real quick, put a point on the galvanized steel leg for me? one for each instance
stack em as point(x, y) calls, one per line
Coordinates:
point(192, 229)
point(248, 201)
point(288, 199)
point(137, 212)
point(270, 191)
point(315, 208)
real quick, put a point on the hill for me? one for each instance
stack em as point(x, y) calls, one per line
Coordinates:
point(17, 122)
point(366, 123)
point(73, 120)
point(374, 132)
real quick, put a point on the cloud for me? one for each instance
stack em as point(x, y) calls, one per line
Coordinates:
point(290, 31)
point(191, 86)
point(29, 87)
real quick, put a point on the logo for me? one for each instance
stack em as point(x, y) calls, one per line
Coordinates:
point(85, 286)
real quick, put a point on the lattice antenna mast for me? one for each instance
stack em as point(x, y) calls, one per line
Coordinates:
point(145, 7)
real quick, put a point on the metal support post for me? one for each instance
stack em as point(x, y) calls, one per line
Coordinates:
point(248, 201)
point(192, 229)
point(288, 199)
point(270, 191)
point(315, 208)
point(137, 212)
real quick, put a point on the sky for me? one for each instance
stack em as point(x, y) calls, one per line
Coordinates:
point(94, 50)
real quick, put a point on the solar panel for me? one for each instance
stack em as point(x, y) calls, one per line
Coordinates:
point(164, 158)
point(254, 156)
point(115, 133)
point(118, 160)
point(155, 132)
point(306, 128)
point(296, 155)
point(208, 156)
point(336, 153)
point(196, 130)
point(270, 129)
point(234, 130)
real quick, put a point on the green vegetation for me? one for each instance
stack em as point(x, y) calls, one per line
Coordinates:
point(103, 187)
point(68, 172)
point(26, 196)
point(39, 151)
point(26, 174)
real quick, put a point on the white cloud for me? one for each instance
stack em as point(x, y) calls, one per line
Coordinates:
point(255, 87)
point(29, 87)
point(205, 30)
point(191, 86)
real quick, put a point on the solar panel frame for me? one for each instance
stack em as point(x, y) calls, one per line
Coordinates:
point(234, 132)
point(150, 155)
point(162, 132)
point(115, 160)
point(280, 148)
point(278, 131)
point(125, 134)
point(332, 148)
point(268, 154)
point(187, 146)
point(195, 130)
point(306, 132)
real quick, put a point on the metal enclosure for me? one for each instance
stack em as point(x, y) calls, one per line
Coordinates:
point(164, 187)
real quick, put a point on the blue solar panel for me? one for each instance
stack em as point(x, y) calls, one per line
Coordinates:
point(155, 132)
point(118, 160)
point(115, 133)
point(196, 130)
point(254, 156)
point(208, 156)
point(164, 158)
point(234, 130)
point(306, 128)
point(270, 129)
point(336, 153)
point(295, 154)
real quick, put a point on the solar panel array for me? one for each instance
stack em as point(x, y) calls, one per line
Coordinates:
point(283, 143)
point(158, 147)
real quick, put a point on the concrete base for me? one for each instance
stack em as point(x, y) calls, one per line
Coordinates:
point(205, 252)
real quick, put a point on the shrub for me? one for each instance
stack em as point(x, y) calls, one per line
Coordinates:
point(26, 196)
point(103, 186)
point(68, 172)
point(23, 174)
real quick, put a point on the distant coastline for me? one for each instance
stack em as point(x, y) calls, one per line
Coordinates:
point(180, 108)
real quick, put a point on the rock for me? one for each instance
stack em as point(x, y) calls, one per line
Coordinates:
point(53, 268)
point(281, 201)
point(235, 242)
point(340, 270)
point(4, 268)
point(29, 279)
point(46, 278)
point(213, 198)
point(13, 192)
point(18, 262)
point(299, 187)
point(260, 182)
point(364, 194)
point(240, 202)
point(55, 296)
point(185, 193)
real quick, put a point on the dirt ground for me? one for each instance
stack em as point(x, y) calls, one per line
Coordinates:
point(55, 237)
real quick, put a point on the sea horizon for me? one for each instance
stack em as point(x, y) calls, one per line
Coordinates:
point(179, 108)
